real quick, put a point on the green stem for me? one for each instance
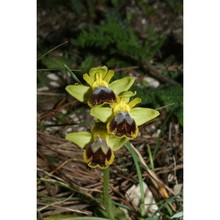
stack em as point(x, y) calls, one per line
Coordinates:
point(106, 196)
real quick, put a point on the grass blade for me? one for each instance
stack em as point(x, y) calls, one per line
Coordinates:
point(140, 180)
point(72, 74)
point(54, 48)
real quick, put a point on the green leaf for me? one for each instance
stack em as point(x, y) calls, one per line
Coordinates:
point(177, 215)
point(71, 217)
point(168, 95)
point(88, 63)
point(72, 74)
point(117, 38)
point(140, 179)
point(55, 62)
point(54, 48)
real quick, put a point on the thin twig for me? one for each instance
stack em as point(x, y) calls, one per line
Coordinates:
point(156, 74)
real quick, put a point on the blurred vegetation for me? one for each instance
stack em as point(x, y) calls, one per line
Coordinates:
point(116, 34)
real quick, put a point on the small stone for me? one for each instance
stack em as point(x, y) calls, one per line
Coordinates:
point(53, 76)
point(152, 82)
point(54, 84)
point(64, 111)
point(68, 130)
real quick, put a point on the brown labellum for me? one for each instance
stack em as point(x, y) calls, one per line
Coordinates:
point(101, 95)
point(123, 125)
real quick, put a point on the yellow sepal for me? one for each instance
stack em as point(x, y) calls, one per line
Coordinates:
point(100, 70)
point(78, 91)
point(143, 115)
point(81, 139)
point(122, 85)
point(116, 143)
point(109, 76)
point(101, 113)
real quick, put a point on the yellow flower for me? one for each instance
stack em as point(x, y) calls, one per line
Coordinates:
point(98, 145)
point(122, 118)
point(100, 91)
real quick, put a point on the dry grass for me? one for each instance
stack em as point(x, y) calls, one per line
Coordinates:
point(67, 185)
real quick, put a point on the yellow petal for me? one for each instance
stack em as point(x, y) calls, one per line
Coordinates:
point(127, 94)
point(143, 115)
point(121, 85)
point(85, 157)
point(81, 139)
point(88, 79)
point(109, 76)
point(110, 161)
point(101, 113)
point(79, 92)
point(134, 102)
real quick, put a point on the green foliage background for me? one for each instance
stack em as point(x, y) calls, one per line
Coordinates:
point(103, 33)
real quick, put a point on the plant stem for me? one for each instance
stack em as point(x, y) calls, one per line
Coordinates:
point(106, 196)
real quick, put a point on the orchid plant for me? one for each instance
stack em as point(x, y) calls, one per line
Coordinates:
point(116, 119)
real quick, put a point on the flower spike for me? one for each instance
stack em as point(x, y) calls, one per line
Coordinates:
point(99, 154)
point(114, 125)
point(100, 91)
point(122, 118)
point(98, 145)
